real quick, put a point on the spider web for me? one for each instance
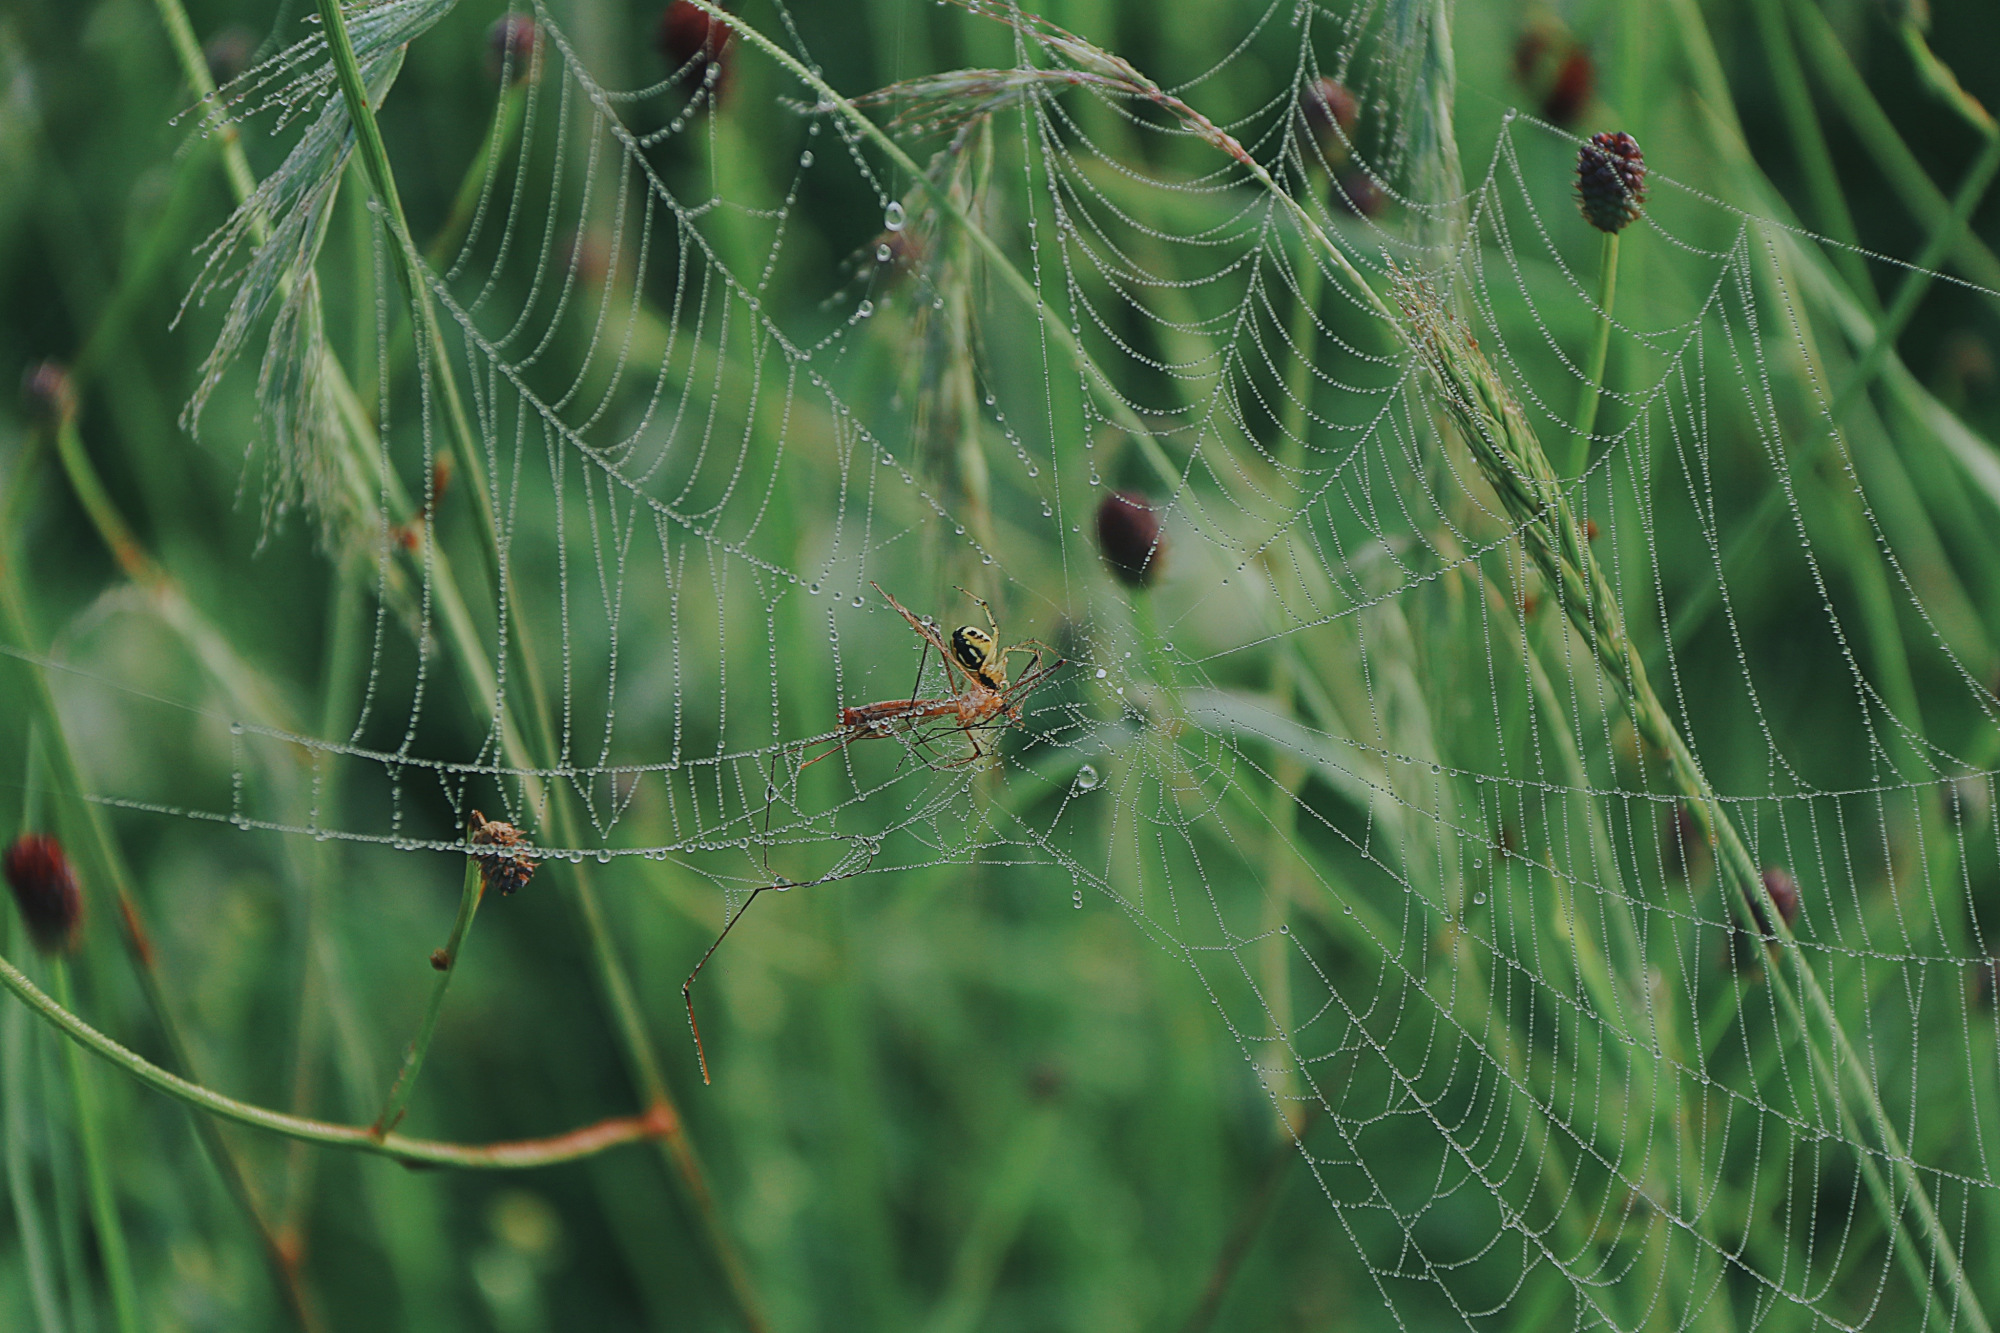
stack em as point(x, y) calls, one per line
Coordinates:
point(1345, 759)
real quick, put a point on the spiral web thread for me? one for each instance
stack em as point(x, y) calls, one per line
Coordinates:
point(1345, 759)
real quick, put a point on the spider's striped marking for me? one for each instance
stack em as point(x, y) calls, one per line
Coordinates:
point(973, 647)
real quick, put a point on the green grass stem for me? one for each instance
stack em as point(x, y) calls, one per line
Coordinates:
point(1912, 185)
point(1875, 356)
point(1600, 350)
point(446, 963)
point(105, 1221)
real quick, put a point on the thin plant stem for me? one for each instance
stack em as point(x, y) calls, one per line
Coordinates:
point(507, 120)
point(110, 1229)
point(1600, 350)
point(1910, 183)
point(1875, 356)
point(20, 1177)
point(446, 963)
point(1249, 1224)
point(1809, 142)
point(510, 1155)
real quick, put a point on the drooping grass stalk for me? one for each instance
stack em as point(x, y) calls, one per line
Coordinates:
point(1492, 425)
point(105, 1221)
point(1600, 349)
point(446, 963)
point(511, 1155)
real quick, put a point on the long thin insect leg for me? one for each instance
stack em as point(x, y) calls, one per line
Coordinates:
point(918, 684)
point(770, 882)
point(687, 987)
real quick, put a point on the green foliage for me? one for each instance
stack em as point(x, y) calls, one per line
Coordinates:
point(1363, 927)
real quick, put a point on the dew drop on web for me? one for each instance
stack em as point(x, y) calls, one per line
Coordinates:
point(1087, 779)
point(892, 216)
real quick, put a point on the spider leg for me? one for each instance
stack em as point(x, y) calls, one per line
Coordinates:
point(991, 625)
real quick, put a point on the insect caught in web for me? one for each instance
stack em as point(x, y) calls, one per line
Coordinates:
point(981, 698)
point(976, 673)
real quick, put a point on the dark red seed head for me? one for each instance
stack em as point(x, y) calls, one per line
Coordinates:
point(46, 891)
point(228, 53)
point(695, 46)
point(508, 866)
point(1611, 181)
point(47, 391)
point(1784, 891)
point(1356, 193)
point(1569, 92)
point(1528, 52)
point(510, 47)
point(1129, 538)
point(1329, 113)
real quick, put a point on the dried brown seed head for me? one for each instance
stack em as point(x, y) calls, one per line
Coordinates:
point(509, 866)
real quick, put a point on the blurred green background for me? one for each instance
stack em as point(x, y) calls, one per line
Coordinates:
point(1351, 780)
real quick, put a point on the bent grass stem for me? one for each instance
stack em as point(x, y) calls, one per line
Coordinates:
point(508, 1155)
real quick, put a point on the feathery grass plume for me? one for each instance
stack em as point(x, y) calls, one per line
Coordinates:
point(265, 252)
point(45, 890)
point(1422, 76)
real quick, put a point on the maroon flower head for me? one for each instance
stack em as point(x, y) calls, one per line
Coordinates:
point(510, 47)
point(228, 53)
point(1611, 181)
point(46, 891)
point(1357, 194)
point(695, 47)
point(47, 391)
point(1328, 112)
point(1569, 92)
point(1784, 891)
point(1129, 538)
